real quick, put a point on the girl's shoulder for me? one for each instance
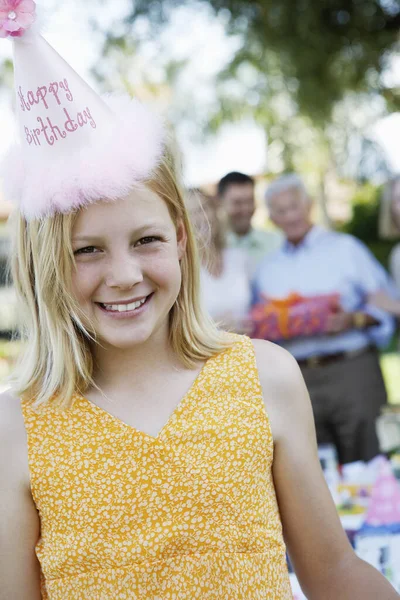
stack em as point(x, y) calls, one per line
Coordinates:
point(13, 441)
point(11, 419)
point(12, 428)
point(283, 387)
point(276, 366)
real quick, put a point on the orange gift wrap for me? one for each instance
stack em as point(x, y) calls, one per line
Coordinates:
point(294, 316)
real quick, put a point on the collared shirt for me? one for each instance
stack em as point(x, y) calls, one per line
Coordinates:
point(328, 262)
point(256, 243)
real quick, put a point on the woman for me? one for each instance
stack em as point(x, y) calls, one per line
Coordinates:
point(224, 274)
point(389, 228)
point(148, 455)
point(389, 224)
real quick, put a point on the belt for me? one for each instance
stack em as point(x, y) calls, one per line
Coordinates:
point(320, 361)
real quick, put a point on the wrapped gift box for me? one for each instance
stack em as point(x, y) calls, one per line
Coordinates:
point(294, 316)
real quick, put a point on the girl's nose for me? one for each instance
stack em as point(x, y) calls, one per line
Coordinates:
point(124, 273)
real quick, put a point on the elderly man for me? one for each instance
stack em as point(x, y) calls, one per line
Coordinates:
point(236, 194)
point(341, 366)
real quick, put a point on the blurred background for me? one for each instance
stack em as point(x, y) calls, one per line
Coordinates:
point(260, 87)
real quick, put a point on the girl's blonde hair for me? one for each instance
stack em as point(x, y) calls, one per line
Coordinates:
point(56, 360)
point(388, 229)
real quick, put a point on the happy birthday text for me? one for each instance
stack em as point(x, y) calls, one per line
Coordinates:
point(48, 131)
point(53, 89)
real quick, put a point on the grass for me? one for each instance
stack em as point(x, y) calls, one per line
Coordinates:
point(390, 363)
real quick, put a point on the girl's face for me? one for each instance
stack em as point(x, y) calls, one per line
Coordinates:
point(127, 274)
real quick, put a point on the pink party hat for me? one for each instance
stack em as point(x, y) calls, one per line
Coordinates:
point(74, 146)
point(384, 508)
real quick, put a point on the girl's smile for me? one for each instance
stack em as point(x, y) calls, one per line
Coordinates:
point(125, 309)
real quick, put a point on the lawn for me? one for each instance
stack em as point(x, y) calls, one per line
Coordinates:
point(391, 372)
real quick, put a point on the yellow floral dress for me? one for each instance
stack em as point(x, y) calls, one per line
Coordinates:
point(189, 514)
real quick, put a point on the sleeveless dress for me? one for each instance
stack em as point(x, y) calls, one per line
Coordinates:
point(188, 514)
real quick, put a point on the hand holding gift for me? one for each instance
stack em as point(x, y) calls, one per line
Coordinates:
point(339, 321)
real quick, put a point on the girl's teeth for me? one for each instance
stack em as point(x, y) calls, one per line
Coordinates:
point(124, 307)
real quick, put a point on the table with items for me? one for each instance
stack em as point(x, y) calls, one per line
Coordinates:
point(367, 496)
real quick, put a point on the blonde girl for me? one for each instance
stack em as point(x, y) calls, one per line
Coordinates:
point(146, 457)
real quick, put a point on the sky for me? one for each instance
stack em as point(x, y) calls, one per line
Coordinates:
point(237, 147)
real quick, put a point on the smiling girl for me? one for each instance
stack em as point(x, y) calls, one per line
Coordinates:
point(145, 453)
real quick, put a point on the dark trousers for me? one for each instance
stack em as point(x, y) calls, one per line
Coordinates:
point(347, 396)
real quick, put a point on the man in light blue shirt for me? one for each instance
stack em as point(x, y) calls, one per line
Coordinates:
point(341, 367)
point(236, 194)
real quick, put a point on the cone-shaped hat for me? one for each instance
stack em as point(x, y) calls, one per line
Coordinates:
point(74, 147)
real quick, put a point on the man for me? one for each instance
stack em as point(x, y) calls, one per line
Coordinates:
point(341, 367)
point(236, 193)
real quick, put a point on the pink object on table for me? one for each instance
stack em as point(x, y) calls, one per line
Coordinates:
point(384, 508)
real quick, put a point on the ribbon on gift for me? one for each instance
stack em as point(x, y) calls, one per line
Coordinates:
point(274, 319)
point(280, 307)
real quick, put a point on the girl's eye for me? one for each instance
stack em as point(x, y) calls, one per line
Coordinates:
point(147, 240)
point(86, 250)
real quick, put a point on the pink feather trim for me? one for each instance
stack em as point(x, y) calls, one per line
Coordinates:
point(125, 155)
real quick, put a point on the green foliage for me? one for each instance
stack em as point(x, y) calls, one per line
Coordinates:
point(364, 222)
point(315, 51)
point(301, 70)
point(381, 250)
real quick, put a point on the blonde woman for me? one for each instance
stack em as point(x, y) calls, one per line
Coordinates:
point(224, 273)
point(145, 454)
point(389, 229)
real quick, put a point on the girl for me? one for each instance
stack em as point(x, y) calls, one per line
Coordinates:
point(147, 454)
point(224, 273)
point(154, 466)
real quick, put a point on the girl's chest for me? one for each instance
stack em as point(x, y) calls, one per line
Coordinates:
point(148, 409)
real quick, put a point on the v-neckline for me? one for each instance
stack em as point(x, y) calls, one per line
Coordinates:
point(181, 404)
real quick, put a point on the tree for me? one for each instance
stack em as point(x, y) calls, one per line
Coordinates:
point(301, 69)
point(315, 51)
